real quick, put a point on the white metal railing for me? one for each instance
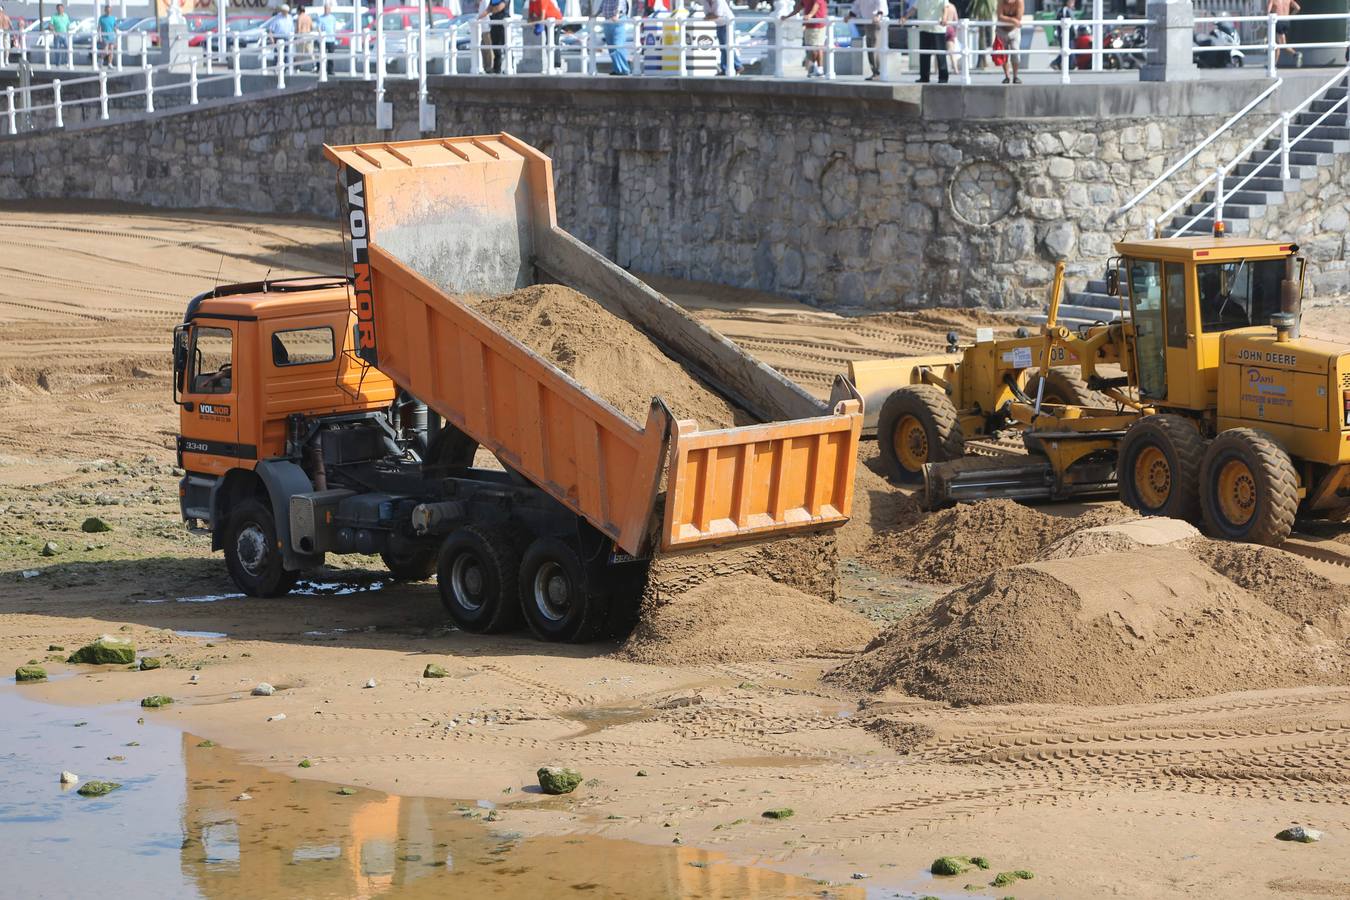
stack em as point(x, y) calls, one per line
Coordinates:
point(578, 45)
point(669, 46)
point(1288, 141)
point(1196, 150)
point(1270, 44)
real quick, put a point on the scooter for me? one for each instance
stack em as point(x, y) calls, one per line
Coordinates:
point(1219, 48)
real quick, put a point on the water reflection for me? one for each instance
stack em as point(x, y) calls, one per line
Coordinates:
point(177, 828)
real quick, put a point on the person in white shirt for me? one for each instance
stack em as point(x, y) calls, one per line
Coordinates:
point(932, 37)
point(721, 12)
point(869, 14)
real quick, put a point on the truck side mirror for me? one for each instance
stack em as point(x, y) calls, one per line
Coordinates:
point(1113, 283)
point(181, 335)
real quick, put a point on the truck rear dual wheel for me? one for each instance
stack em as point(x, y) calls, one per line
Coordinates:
point(1248, 488)
point(476, 575)
point(918, 424)
point(557, 595)
point(253, 553)
point(1158, 467)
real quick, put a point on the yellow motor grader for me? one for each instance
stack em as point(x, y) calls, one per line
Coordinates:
point(1204, 403)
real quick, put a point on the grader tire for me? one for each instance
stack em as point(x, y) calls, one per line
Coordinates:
point(1158, 467)
point(918, 424)
point(1248, 488)
point(1065, 387)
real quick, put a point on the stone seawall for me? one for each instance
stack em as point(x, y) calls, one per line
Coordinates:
point(853, 197)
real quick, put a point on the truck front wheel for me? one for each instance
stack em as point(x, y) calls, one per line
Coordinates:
point(559, 602)
point(253, 554)
point(476, 575)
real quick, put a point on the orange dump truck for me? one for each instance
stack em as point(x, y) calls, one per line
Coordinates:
point(343, 414)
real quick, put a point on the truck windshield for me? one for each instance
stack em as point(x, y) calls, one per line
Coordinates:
point(1239, 293)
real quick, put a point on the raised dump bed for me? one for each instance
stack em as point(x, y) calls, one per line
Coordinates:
point(433, 222)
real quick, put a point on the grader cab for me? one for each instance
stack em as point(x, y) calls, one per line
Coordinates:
point(1205, 403)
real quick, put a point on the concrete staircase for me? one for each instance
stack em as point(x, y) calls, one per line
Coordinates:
point(1267, 189)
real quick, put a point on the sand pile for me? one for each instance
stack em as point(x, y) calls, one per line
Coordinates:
point(1121, 537)
point(971, 540)
point(878, 505)
point(607, 354)
point(1282, 581)
point(742, 618)
point(1151, 624)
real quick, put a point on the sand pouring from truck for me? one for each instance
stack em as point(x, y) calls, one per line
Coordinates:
point(343, 414)
point(1221, 413)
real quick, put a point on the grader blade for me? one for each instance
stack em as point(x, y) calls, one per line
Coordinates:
point(974, 478)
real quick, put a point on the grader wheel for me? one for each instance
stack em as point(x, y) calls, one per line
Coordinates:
point(1064, 387)
point(1159, 467)
point(918, 424)
point(1248, 488)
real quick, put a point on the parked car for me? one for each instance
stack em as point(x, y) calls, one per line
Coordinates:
point(400, 22)
point(234, 24)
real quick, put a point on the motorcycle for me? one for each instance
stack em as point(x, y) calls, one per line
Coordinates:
point(1219, 48)
point(1130, 48)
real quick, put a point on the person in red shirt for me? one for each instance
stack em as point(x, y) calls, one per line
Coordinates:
point(542, 13)
point(813, 12)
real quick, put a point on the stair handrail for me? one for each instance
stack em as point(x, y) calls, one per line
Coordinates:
point(1286, 145)
point(1176, 166)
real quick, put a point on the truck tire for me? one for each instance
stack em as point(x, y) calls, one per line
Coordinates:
point(1158, 467)
point(1248, 488)
point(252, 553)
point(557, 597)
point(1063, 386)
point(410, 560)
point(918, 424)
point(476, 575)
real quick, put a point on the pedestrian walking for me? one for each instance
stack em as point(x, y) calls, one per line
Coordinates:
point(496, 12)
point(328, 27)
point(1284, 8)
point(617, 33)
point(1009, 30)
point(869, 14)
point(107, 34)
point(1067, 14)
point(932, 38)
point(59, 24)
point(813, 13)
point(720, 11)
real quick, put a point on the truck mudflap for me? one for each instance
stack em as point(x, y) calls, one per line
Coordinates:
point(780, 477)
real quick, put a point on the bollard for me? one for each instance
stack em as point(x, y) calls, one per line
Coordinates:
point(238, 73)
point(149, 89)
point(56, 102)
point(323, 60)
point(10, 112)
point(103, 95)
point(829, 47)
point(281, 68)
point(1218, 195)
point(684, 57)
